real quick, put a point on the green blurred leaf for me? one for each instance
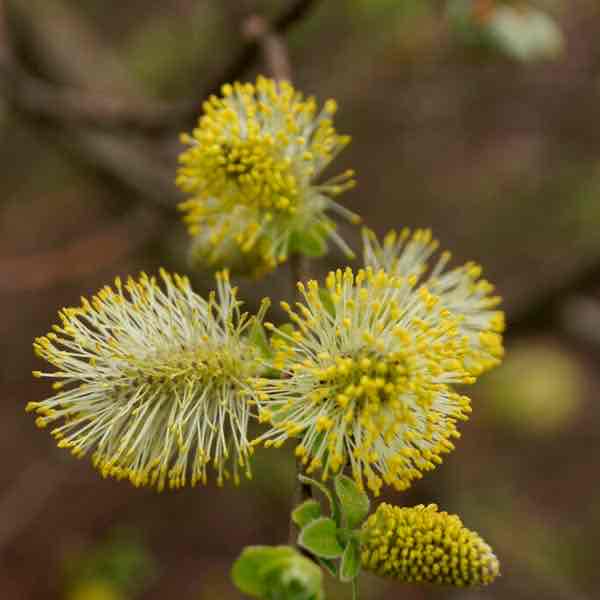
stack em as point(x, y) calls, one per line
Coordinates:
point(311, 243)
point(247, 570)
point(333, 503)
point(293, 578)
point(320, 538)
point(350, 567)
point(277, 573)
point(305, 513)
point(354, 502)
point(122, 561)
point(538, 391)
point(525, 34)
point(95, 590)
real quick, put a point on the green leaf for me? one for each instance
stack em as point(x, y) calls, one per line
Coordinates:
point(320, 538)
point(310, 243)
point(354, 502)
point(306, 512)
point(329, 565)
point(247, 571)
point(350, 566)
point(333, 503)
point(293, 578)
point(258, 338)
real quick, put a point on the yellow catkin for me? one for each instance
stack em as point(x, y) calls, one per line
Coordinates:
point(250, 170)
point(367, 378)
point(422, 545)
point(370, 368)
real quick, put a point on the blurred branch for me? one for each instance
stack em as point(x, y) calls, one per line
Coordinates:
point(127, 159)
point(296, 12)
point(272, 45)
point(22, 502)
point(578, 321)
point(546, 308)
point(70, 104)
point(37, 97)
point(6, 54)
point(276, 58)
point(77, 107)
point(77, 111)
point(79, 258)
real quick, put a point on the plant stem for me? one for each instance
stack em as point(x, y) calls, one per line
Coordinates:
point(277, 60)
point(355, 588)
point(303, 491)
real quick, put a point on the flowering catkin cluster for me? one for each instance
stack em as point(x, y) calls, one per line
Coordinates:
point(153, 381)
point(251, 170)
point(368, 374)
point(158, 384)
point(421, 544)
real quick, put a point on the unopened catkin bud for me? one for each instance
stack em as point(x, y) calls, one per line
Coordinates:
point(422, 545)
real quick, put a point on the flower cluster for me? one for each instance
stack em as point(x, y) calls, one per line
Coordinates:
point(368, 373)
point(461, 290)
point(251, 169)
point(421, 544)
point(153, 381)
point(368, 381)
point(158, 384)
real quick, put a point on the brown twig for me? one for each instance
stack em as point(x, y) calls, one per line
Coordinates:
point(249, 54)
point(546, 308)
point(71, 106)
point(276, 57)
point(22, 502)
point(122, 159)
point(299, 271)
point(273, 47)
point(6, 53)
point(127, 159)
point(74, 106)
point(79, 258)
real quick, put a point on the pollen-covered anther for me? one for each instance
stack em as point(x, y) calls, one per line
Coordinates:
point(422, 545)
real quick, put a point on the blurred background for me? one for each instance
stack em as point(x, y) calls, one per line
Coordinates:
point(477, 118)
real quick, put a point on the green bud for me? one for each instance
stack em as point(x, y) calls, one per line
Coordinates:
point(277, 573)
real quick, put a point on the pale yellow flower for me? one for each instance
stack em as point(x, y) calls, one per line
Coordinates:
point(153, 381)
point(367, 378)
